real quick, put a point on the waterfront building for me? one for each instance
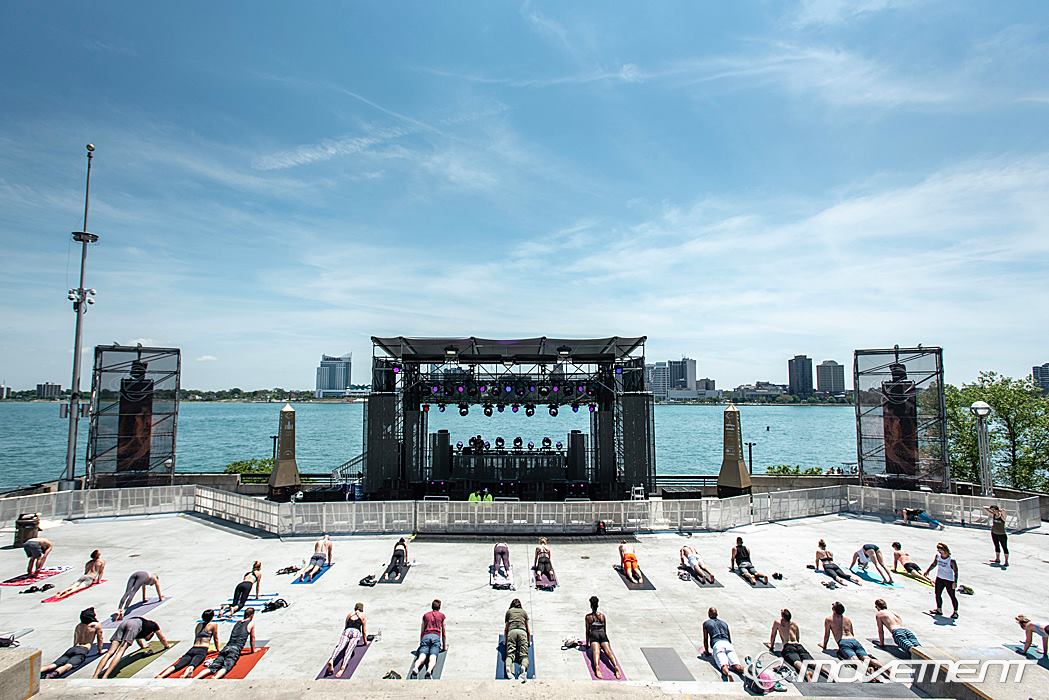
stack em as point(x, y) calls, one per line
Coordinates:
point(758, 391)
point(5, 392)
point(333, 376)
point(800, 372)
point(659, 380)
point(830, 377)
point(682, 374)
point(1040, 375)
point(47, 390)
point(705, 384)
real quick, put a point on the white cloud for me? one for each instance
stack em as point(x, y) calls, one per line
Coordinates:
point(830, 12)
point(207, 358)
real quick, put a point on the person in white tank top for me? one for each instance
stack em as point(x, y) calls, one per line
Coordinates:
point(946, 579)
point(1031, 628)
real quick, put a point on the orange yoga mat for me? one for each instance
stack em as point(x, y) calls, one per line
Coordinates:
point(241, 669)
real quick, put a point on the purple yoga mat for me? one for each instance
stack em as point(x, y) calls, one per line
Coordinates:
point(544, 581)
point(136, 610)
point(606, 668)
point(355, 661)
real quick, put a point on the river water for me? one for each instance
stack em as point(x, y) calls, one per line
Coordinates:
point(210, 435)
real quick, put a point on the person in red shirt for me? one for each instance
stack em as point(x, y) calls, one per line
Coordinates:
point(432, 641)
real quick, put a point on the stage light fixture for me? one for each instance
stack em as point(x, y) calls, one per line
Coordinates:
point(518, 443)
point(558, 445)
point(426, 408)
point(531, 445)
point(460, 388)
point(546, 443)
point(564, 352)
point(459, 446)
point(449, 389)
point(464, 409)
point(508, 363)
point(501, 408)
point(483, 388)
point(396, 368)
point(450, 353)
point(508, 388)
point(515, 408)
point(488, 410)
point(590, 390)
point(553, 410)
point(580, 389)
point(471, 389)
point(619, 370)
point(575, 408)
point(499, 443)
point(544, 391)
point(555, 388)
point(529, 410)
point(592, 408)
point(434, 389)
point(440, 407)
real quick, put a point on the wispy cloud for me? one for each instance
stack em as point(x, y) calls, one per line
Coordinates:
point(207, 358)
point(110, 47)
point(832, 12)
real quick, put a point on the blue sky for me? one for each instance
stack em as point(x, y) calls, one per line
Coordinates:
point(741, 182)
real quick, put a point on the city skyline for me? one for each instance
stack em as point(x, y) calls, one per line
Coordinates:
point(741, 182)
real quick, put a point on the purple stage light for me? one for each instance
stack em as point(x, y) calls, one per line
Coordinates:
point(619, 370)
point(396, 369)
point(593, 408)
point(555, 388)
point(509, 389)
point(581, 390)
point(514, 408)
point(460, 388)
point(434, 389)
point(482, 388)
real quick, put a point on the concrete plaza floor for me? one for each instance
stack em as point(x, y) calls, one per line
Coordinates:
point(199, 564)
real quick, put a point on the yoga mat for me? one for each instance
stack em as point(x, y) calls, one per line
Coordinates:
point(696, 580)
point(606, 668)
point(136, 610)
point(666, 664)
point(544, 582)
point(261, 598)
point(437, 669)
point(27, 580)
point(867, 577)
point(241, 669)
point(757, 583)
point(399, 579)
point(914, 578)
point(500, 654)
point(137, 660)
point(93, 655)
point(55, 598)
point(645, 585)
point(495, 579)
point(1034, 653)
point(351, 665)
point(298, 580)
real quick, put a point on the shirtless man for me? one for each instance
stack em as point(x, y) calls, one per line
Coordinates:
point(888, 620)
point(849, 648)
point(89, 630)
point(322, 555)
point(691, 561)
point(739, 561)
point(93, 570)
point(789, 634)
point(628, 560)
point(37, 549)
point(902, 558)
point(868, 554)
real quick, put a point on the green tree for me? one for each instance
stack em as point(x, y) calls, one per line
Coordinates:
point(250, 466)
point(792, 470)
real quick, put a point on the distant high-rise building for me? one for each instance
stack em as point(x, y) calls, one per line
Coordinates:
point(659, 380)
point(830, 377)
point(333, 376)
point(1041, 377)
point(705, 384)
point(5, 392)
point(47, 390)
point(682, 374)
point(800, 371)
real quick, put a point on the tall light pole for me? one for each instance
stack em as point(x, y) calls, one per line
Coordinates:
point(750, 455)
point(81, 298)
point(982, 411)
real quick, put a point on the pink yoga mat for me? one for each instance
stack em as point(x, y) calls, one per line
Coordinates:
point(606, 668)
point(55, 598)
point(26, 579)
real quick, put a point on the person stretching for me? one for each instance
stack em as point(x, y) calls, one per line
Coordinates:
point(205, 634)
point(999, 535)
point(133, 629)
point(628, 560)
point(243, 633)
point(135, 583)
point(849, 648)
point(909, 514)
point(93, 570)
point(433, 639)
point(1032, 628)
point(517, 632)
point(37, 549)
point(322, 556)
point(542, 564)
point(902, 558)
point(825, 558)
point(243, 590)
point(717, 638)
point(86, 632)
point(597, 640)
point(888, 620)
point(946, 578)
point(354, 634)
point(501, 560)
point(739, 561)
point(398, 560)
point(790, 635)
point(867, 554)
point(691, 561)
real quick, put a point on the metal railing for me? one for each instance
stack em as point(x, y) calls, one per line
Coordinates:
point(98, 503)
point(1020, 514)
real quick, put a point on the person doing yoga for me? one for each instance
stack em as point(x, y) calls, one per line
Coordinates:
point(825, 558)
point(902, 558)
point(322, 556)
point(354, 634)
point(501, 560)
point(205, 634)
point(946, 579)
point(871, 554)
point(398, 560)
point(542, 564)
point(1031, 628)
point(691, 561)
point(37, 549)
point(433, 639)
point(999, 535)
point(93, 570)
point(718, 639)
point(597, 639)
point(789, 633)
point(909, 514)
point(849, 648)
point(88, 630)
point(888, 620)
point(135, 583)
point(243, 633)
point(517, 632)
point(242, 591)
point(133, 629)
point(739, 562)
point(628, 560)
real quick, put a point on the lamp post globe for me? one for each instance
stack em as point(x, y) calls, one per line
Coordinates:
point(980, 409)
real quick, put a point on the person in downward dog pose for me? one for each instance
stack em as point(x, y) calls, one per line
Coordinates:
point(1032, 628)
point(135, 583)
point(868, 554)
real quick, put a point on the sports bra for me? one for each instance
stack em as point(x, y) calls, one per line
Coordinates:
point(201, 637)
point(354, 622)
point(597, 623)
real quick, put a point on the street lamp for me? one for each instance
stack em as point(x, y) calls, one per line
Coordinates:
point(750, 455)
point(81, 298)
point(982, 411)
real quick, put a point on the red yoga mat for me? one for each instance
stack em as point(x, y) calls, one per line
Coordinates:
point(55, 598)
point(26, 579)
point(241, 669)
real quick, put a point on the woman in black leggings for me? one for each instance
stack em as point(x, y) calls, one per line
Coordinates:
point(243, 589)
point(946, 579)
point(205, 634)
point(999, 535)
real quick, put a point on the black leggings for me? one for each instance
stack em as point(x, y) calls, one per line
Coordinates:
point(1001, 543)
point(544, 568)
point(941, 585)
point(241, 593)
point(194, 657)
point(396, 563)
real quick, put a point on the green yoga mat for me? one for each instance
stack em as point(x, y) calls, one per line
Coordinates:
point(135, 661)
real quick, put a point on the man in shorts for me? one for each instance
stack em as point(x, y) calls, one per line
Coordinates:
point(718, 640)
point(87, 631)
point(849, 648)
point(37, 549)
point(902, 558)
point(739, 561)
point(243, 633)
point(792, 652)
point(433, 639)
point(888, 620)
point(322, 556)
point(691, 561)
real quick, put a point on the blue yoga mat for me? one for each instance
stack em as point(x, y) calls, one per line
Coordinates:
point(875, 580)
point(300, 582)
point(500, 667)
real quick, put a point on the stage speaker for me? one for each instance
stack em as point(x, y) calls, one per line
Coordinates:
point(602, 432)
point(442, 455)
point(576, 456)
point(382, 458)
point(639, 449)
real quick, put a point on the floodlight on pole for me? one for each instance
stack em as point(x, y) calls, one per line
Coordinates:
point(982, 411)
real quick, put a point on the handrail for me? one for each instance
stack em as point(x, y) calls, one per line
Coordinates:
point(342, 472)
